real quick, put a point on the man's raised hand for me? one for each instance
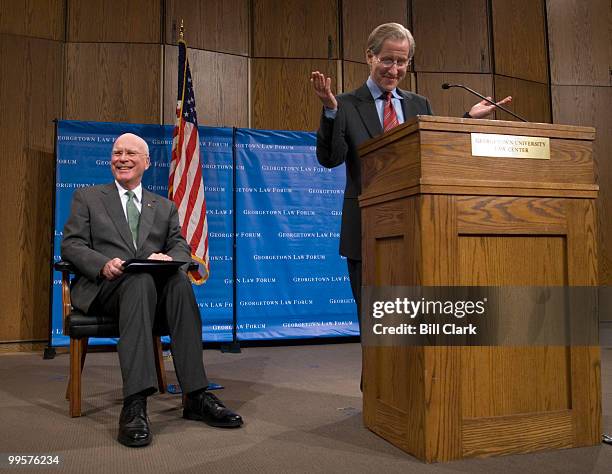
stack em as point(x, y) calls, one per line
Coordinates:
point(484, 108)
point(322, 87)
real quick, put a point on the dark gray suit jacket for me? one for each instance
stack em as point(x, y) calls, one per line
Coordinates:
point(337, 142)
point(97, 231)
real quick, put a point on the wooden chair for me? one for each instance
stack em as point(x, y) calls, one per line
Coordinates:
point(80, 327)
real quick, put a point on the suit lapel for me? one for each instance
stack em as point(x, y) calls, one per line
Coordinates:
point(112, 203)
point(367, 110)
point(147, 215)
point(408, 106)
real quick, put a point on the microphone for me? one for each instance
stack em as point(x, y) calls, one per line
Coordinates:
point(446, 85)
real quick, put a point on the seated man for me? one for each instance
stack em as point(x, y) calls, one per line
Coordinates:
point(108, 225)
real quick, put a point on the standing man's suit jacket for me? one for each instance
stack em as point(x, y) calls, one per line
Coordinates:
point(356, 121)
point(97, 231)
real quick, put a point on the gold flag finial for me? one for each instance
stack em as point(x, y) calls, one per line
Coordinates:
point(182, 31)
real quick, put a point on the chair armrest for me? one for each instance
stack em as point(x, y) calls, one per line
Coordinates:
point(64, 266)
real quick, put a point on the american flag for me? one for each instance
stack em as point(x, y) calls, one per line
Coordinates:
point(185, 183)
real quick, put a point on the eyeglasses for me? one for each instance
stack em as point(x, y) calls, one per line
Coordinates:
point(128, 153)
point(389, 63)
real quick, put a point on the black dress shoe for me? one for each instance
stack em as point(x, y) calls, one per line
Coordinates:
point(134, 424)
point(208, 408)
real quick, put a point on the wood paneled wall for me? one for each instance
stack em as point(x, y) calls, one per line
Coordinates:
point(114, 21)
point(453, 102)
point(519, 35)
point(461, 45)
point(33, 18)
point(457, 52)
point(116, 82)
point(455, 44)
point(251, 61)
point(295, 29)
point(530, 100)
point(291, 39)
point(580, 38)
point(30, 94)
point(214, 25)
point(220, 102)
point(521, 58)
point(282, 96)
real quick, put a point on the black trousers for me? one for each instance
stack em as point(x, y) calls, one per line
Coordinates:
point(354, 271)
point(137, 299)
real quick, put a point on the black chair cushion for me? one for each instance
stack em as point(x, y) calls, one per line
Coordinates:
point(81, 325)
point(85, 325)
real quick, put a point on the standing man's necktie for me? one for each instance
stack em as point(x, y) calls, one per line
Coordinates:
point(389, 116)
point(133, 215)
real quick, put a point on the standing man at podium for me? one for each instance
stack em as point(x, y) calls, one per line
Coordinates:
point(350, 119)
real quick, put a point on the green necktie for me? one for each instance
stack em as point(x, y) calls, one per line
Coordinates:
point(133, 215)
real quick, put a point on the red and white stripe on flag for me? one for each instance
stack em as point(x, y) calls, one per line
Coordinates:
point(185, 183)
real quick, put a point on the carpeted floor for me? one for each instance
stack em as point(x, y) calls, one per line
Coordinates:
point(301, 405)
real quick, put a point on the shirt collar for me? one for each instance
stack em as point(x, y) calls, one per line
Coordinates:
point(137, 191)
point(377, 91)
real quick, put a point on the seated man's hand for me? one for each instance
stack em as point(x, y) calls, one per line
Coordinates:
point(159, 256)
point(483, 108)
point(112, 269)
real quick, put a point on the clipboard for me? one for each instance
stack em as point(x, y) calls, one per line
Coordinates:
point(138, 265)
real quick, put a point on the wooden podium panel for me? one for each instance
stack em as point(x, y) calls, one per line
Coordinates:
point(434, 215)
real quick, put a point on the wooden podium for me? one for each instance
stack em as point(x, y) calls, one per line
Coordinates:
point(435, 215)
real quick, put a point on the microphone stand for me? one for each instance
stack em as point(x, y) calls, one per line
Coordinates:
point(446, 85)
